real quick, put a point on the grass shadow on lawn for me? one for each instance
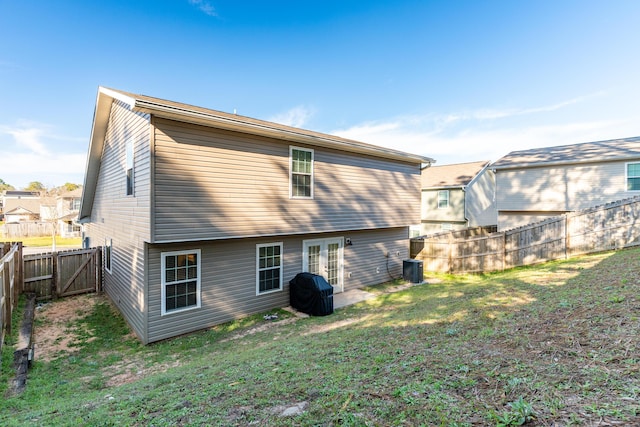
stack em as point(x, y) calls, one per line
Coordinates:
point(551, 343)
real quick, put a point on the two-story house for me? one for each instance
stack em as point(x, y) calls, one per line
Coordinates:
point(21, 206)
point(457, 196)
point(544, 182)
point(205, 216)
point(67, 208)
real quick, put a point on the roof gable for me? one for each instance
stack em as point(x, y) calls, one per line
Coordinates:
point(588, 152)
point(20, 211)
point(455, 175)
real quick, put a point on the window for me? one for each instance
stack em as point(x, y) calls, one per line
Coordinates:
point(129, 166)
point(107, 255)
point(301, 173)
point(633, 176)
point(269, 268)
point(443, 199)
point(446, 227)
point(180, 281)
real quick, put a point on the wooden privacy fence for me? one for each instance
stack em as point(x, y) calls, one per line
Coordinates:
point(612, 226)
point(10, 283)
point(27, 229)
point(60, 274)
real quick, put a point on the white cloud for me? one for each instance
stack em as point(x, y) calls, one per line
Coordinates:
point(33, 152)
point(488, 134)
point(27, 136)
point(204, 6)
point(297, 116)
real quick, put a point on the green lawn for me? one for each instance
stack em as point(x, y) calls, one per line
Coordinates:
point(554, 344)
point(61, 242)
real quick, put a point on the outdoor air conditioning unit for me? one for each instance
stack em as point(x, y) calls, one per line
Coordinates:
point(412, 270)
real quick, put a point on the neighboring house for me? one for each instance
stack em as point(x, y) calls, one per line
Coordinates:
point(21, 206)
point(205, 216)
point(61, 211)
point(457, 196)
point(536, 184)
point(67, 208)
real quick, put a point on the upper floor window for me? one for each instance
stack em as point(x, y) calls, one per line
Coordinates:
point(301, 172)
point(633, 176)
point(74, 204)
point(443, 199)
point(180, 280)
point(129, 168)
point(269, 268)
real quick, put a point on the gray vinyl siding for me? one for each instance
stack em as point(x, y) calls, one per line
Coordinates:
point(228, 275)
point(480, 200)
point(433, 217)
point(365, 261)
point(455, 211)
point(122, 218)
point(561, 188)
point(215, 184)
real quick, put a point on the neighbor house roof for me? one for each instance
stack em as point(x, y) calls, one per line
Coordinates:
point(218, 119)
point(31, 205)
point(20, 211)
point(21, 193)
point(588, 152)
point(71, 194)
point(452, 176)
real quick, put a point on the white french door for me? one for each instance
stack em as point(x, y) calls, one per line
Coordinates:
point(325, 258)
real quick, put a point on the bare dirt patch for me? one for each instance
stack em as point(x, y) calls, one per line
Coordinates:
point(54, 331)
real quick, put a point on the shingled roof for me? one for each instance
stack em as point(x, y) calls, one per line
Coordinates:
point(588, 152)
point(456, 175)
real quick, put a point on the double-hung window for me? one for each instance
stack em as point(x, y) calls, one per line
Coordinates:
point(180, 280)
point(129, 167)
point(633, 176)
point(301, 173)
point(268, 268)
point(443, 199)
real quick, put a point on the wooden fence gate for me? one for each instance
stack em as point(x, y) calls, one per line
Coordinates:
point(61, 274)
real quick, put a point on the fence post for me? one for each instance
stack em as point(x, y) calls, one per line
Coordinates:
point(54, 274)
point(450, 260)
point(98, 265)
point(8, 297)
point(20, 269)
point(567, 237)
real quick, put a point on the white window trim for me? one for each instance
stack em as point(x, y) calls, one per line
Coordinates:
point(448, 199)
point(108, 266)
point(258, 247)
point(163, 257)
point(626, 177)
point(291, 148)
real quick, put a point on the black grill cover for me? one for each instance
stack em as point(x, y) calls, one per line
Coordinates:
point(311, 294)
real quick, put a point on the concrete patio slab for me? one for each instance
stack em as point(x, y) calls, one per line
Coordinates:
point(350, 297)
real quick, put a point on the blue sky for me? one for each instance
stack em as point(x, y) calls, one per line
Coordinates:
point(455, 80)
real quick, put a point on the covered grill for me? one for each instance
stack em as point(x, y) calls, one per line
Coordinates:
point(311, 294)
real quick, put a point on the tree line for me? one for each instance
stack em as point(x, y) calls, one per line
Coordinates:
point(41, 188)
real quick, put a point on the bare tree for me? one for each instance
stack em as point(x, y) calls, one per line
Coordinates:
point(49, 213)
